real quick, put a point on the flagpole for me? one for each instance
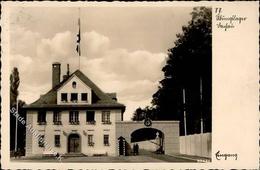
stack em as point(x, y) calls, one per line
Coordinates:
point(79, 39)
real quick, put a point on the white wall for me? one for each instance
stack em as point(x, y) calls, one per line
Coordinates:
point(98, 130)
point(80, 88)
point(197, 144)
point(147, 145)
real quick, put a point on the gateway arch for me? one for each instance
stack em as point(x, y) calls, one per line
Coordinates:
point(164, 135)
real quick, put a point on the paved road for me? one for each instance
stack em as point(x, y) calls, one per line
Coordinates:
point(144, 156)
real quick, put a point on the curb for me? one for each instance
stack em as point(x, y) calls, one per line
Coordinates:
point(193, 159)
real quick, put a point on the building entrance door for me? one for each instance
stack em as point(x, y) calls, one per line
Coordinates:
point(74, 143)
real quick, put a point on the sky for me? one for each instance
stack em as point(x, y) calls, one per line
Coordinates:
point(123, 49)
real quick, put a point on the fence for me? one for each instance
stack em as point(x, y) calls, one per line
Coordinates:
point(197, 144)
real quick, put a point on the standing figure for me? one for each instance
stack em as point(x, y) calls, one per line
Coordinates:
point(137, 149)
point(134, 148)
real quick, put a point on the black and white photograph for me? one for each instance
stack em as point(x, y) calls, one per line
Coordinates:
point(130, 83)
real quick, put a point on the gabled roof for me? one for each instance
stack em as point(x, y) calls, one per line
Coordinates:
point(50, 98)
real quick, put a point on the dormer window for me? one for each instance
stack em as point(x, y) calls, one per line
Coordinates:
point(74, 84)
point(64, 97)
point(74, 97)
point(84, 97)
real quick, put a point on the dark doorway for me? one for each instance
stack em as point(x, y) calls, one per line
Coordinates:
point(74, 143)
point(152, 136)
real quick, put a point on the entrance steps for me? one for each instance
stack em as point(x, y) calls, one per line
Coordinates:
point(74, 155)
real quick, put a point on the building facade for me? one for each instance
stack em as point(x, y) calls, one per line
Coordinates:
point(75, 116)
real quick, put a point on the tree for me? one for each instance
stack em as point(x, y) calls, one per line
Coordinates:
point(14, 84)
point(138, 114)
point(188, 67)
point(148, 112)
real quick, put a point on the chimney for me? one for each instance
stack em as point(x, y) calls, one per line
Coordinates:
point(55, 74)
point(66, 76)
point(68, 70)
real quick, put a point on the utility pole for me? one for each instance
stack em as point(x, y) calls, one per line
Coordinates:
point(184, 112)
point(201, 113)
point(16, 125)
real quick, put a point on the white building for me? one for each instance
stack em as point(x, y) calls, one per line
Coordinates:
point(75, 116)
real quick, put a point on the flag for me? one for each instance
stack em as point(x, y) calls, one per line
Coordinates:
point(78, 40)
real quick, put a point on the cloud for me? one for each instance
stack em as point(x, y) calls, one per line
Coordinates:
point(23, 41)
point(57, 48)
point(20, 61)
point(31, 91)
point(94, 45)
point(133, 75)
point(138, 90)
point(137, 65)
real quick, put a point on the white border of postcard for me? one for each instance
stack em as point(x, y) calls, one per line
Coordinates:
point(235, 117)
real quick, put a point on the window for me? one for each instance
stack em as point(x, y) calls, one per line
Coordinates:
point(106, 140)
point(57, 140)
point(74, 117)
point(90, 140)
point(74, 84)
point(41, 141)
point(56, 118)
point(91, 117)
point(84, 96)
point(64, 97)
point(106, 117)
point(74, 97)
point(41, 119)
